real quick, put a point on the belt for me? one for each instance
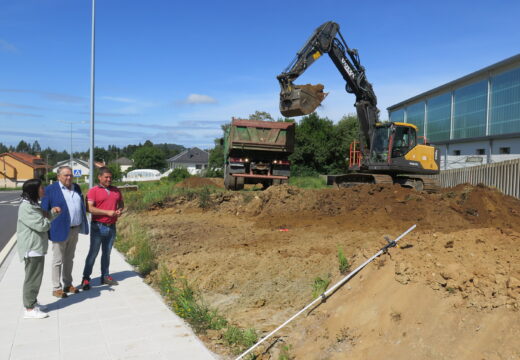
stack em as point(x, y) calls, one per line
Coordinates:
point(73, 227)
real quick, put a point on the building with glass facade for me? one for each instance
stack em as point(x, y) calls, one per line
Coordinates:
point(472, 120)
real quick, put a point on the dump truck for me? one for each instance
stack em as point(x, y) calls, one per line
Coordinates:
point(257, 152)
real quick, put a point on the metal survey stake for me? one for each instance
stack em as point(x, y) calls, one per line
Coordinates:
point(322, 297)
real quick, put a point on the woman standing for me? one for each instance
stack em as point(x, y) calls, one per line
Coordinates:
point(32, 242)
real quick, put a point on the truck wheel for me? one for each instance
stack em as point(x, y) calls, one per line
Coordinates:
point(229, 180)
point(239, 183)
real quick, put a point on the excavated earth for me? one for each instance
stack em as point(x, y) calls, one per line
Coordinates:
point(450, 291)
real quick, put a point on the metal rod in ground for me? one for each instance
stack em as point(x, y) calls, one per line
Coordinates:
point(324, 295)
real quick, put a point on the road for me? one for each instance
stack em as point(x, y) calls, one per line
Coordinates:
point(9, 201)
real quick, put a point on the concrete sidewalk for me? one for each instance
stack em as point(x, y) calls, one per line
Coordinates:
point(128, 321)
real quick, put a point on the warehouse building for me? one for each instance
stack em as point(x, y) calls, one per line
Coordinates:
point(473, 120)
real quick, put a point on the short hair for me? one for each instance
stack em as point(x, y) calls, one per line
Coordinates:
point(103, 170)
point(31, 190)
point(63, 167)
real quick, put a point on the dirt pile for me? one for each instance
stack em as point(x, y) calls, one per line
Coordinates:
point(197, 182)
point(451, 291)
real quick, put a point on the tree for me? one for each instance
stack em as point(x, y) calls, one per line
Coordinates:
point(216, 155)
point(315, 146)
point(36, 148)
point(261, 115)
point(149, 157)
point(116, 171)
point(23, 147)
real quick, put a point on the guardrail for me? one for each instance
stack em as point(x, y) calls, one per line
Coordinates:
point(504, 175)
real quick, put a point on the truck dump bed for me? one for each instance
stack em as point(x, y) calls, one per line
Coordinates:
point(261, 135)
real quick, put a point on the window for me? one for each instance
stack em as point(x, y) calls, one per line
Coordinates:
point(439, 117)
point(415, 115)
point(456, 152)
point(480, 152)
point(505, 103)
point(470, 111)
point(198, 166)
point(505, 150)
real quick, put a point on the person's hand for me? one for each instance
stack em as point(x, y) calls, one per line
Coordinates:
point(119, 212)
point(111, 213)
point(56, 210)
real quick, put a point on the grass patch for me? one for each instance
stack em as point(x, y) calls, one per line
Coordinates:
point(344, 265)
point(319, 285)
point(187, 303)
point(240, 339)
point(308, 182)
point(134, 243)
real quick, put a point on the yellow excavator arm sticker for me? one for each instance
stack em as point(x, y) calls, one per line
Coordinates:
point(316, 55)
point(423, 154)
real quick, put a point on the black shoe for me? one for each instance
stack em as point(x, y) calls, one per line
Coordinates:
point(85, 284)
point(109, 280)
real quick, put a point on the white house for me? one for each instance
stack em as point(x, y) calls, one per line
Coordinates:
point(124, 163)
point(78, 166)
point(194, 160)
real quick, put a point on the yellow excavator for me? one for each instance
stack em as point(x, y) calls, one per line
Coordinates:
point(387, 152)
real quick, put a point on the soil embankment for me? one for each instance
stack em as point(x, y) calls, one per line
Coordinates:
point(451, 291)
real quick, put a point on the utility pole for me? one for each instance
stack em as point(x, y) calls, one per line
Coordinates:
point(92, 69)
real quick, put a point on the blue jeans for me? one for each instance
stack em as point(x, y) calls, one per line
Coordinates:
point(101, 236)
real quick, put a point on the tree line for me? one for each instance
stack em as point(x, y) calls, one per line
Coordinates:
point(145, 156)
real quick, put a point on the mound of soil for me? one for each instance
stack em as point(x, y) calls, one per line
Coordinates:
point(451, 291)
point(196, 182)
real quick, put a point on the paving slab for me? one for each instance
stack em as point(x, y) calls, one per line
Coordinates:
point(127, 321)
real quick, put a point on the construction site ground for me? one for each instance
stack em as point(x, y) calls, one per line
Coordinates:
point(450, 291)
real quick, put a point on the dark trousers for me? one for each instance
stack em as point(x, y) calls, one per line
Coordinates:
point(101, 236)
point(33, 280)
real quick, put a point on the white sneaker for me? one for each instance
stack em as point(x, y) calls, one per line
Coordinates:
point(34, 314)
point(40, 306)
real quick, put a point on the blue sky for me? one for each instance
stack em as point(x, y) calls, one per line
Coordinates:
point(172, 71)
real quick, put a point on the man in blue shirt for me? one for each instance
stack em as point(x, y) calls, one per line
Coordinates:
point(65, 229)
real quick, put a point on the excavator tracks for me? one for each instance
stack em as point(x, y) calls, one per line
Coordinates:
point(417, 182)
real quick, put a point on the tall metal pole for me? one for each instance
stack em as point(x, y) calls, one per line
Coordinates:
point(91, 160)
point(71, 144)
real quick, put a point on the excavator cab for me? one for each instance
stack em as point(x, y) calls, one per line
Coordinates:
point(396, 139)
point(299, 100)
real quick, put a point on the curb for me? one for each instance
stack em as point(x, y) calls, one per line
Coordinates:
point(7, 249)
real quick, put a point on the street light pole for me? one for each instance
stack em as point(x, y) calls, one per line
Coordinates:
point(70, 145)
point(92, 68)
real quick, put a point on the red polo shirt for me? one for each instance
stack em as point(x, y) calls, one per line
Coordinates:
point(105, 199)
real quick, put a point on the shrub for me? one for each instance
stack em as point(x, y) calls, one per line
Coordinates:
point(308, 182)
point(178, 174)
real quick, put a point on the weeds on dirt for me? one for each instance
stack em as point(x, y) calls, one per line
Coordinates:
point(205, 198)
point(344, 265)
point(187, 303)
point(240, 339)
point(320, 285)
point(284, 353)
point(136, 247)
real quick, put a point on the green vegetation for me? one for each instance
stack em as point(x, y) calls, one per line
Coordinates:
point(239, 339)
point(308, 182)
point(138, 250)
point(178, 174)
point(188, 303)
point(320, 285)
point(344, 265)
point(284, 353)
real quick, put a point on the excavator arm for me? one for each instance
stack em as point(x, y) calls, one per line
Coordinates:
point(297, 100)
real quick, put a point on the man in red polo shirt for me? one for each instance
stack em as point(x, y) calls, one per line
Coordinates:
point(105, 203)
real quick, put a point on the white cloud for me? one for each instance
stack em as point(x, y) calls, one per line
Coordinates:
point(199, 99)
point(118, 99)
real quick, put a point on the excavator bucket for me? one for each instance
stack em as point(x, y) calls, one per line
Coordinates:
point(301, 100)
